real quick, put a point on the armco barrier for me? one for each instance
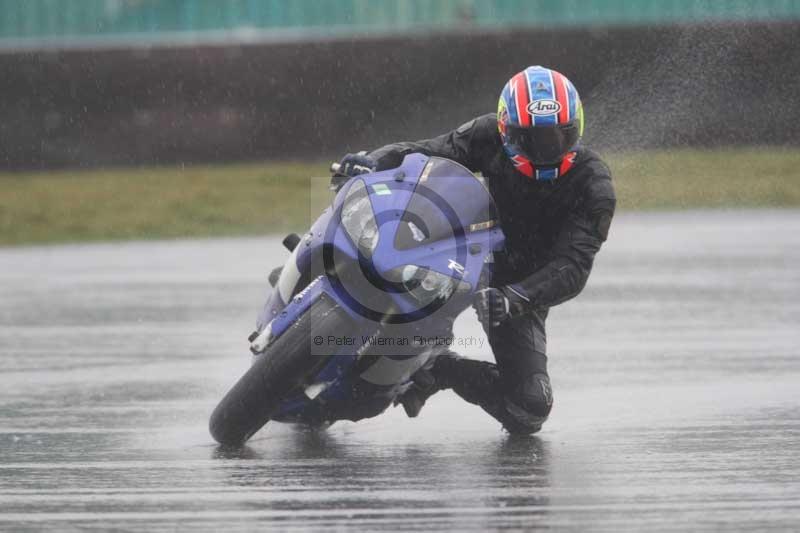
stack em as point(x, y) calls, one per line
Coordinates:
point(695, 85)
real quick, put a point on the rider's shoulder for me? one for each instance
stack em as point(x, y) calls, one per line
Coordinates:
point(487, 121)
point(597, 188)
point(479, 125)
point(589, 161)
point(598, 183)
point(485, 136)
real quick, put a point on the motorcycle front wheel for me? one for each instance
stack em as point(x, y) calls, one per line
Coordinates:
point(285, 365)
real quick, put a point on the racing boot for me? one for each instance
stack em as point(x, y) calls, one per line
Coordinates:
point(520, 405)
point(426, 383)
point(475, 381)
point(521, 409)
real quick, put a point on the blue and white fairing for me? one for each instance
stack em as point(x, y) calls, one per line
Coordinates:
point(402, 248)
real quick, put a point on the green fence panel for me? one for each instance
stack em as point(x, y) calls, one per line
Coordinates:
point(61, 19)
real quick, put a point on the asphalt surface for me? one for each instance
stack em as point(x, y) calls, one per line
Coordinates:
point(676, 375)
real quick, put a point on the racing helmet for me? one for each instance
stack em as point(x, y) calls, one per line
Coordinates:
point(540, 118)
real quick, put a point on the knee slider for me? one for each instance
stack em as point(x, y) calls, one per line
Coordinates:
point(531, 402)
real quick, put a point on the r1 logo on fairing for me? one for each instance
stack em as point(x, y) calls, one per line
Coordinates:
point(544, 107)
point(453, 265)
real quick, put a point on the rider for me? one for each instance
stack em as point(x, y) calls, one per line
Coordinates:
point(555, 201)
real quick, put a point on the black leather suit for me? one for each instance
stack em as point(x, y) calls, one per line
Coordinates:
point(553, 231)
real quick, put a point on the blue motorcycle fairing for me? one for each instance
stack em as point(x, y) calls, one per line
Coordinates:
point(389, 209)
point(462, 256)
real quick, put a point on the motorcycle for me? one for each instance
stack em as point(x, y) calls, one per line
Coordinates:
point(366, 298)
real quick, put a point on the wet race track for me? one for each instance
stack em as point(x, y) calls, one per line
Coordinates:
point(676, 375)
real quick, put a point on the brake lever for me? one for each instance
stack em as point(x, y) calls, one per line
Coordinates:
point(338, 179)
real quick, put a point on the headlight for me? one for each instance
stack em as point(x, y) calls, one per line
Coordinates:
point(423, 284)
point(359, 220)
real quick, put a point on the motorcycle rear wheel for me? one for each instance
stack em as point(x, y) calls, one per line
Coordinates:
point(287, 363)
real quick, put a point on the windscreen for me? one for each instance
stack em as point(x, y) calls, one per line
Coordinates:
point(447, 199)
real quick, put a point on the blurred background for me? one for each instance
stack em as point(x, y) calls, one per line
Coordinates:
point(675, 371)
point(170, 118)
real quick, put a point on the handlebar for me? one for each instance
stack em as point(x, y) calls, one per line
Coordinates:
point(336, 170)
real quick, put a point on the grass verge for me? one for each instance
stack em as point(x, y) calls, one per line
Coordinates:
point(243, 199)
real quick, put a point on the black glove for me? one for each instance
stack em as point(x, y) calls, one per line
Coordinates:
point(355, 164)
point(496, 305)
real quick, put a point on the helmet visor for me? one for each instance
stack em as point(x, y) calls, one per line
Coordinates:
point(543, 145)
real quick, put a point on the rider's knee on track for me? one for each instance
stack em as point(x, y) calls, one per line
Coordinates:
point(529, 404)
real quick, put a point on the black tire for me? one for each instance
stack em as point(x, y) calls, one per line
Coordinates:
point(276, 373)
